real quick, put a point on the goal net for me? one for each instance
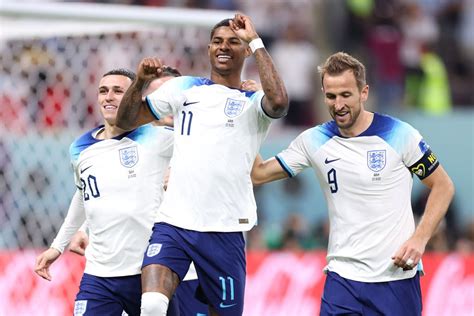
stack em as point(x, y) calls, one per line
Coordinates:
point(52, 58)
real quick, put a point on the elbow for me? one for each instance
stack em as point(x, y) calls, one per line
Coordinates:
point(280, 106)
point(450, 189)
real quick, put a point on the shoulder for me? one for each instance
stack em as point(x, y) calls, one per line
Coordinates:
point(150, 133)
point(388, 126)
point(83, 142)
point(186, 82)
point(316, 136)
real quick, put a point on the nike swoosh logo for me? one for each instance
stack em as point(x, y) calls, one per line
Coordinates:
point(330, 160)
point(222, 305)
point(82, 170)
point(189, 103)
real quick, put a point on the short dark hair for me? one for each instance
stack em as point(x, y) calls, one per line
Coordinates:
point(224, 22)
point(338, 63)
point(170, 72)
point(121, 72)
point(167, 72)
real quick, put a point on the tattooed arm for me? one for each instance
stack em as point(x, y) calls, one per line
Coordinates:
point(275, 102)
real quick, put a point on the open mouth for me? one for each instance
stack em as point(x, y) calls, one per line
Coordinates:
point(222, 58)
point(110, 107)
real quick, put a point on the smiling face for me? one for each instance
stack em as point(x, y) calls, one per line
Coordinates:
point(227, 52)
point(111, 91)
point(345, 101)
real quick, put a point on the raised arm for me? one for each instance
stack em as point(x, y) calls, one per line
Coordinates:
point(440, 196)
point(133, 110)
point(266, 171)
point(275, 102)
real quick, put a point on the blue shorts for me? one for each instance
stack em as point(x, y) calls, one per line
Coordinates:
point(345, 297)
point(114, 295)
point(108, 296)
point(219, 258)
point(188, 303)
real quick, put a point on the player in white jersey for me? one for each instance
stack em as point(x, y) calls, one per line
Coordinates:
point(209, 201)
point(119, 176)
point(364, 162)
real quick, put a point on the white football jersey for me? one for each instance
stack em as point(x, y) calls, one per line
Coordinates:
point(367, 185)
point(218, 132)
point(121, 180)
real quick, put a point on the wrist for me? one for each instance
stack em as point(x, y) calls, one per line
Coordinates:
point(255, 44)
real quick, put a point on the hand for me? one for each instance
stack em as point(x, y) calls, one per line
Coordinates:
point(149, 68)
point(250, 85)
point(243, 28)
point(79, 243)
point(44, 261)
point(409, 254)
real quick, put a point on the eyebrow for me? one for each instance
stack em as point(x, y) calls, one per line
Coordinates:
point(112, 87)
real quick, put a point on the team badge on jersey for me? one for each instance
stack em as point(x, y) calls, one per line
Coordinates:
point(129, 156)
point(80, 307)
point(153, 250)
point(376, 160)
point(233, 107)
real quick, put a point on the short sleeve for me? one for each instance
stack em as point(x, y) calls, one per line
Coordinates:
point(296, 157)
point(169, 96)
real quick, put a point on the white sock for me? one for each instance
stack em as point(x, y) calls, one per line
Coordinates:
point(154, 304)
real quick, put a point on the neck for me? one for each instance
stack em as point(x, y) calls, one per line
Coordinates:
point(361, 125)
point(228, 80)
point(109, 131)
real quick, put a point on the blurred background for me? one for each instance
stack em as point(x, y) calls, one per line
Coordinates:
point(420, 62)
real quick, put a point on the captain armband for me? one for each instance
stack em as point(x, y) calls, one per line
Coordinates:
point(425, 166)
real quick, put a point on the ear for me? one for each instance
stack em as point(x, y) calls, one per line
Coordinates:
point(364, 94)
point(248, 51)
point(208, 50)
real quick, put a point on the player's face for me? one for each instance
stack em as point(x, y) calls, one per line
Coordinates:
point(344, 100)
point(111, 91)
point(226, 51)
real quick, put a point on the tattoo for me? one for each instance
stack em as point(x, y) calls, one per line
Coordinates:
point(276, 104)
point(158, 278)
point(129, 110)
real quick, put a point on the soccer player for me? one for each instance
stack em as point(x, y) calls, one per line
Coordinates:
point(119, 176)
point(364, 162)
point(209, 201)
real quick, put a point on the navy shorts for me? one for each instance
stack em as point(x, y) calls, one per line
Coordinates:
point(108, 296)
point(345, 297)
point(219, 258)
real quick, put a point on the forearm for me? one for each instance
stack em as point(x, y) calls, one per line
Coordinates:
point(74, 219)
point(266, 171)
point(273, 86)
point(130, 107)
point(436, 207)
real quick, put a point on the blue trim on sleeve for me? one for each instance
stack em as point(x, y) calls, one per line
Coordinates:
point(83, 142)
point(153, 112)
point(285, 167)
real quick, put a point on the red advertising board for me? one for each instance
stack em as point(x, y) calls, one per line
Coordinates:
point(278, 283)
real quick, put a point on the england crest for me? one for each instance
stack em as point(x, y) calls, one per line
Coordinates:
point(153, 250)
point(80, 307)
point(376, 160)
point(128, 156)
point(233, 107)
